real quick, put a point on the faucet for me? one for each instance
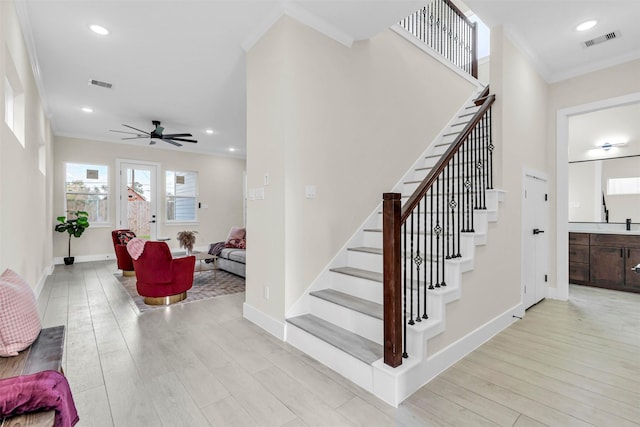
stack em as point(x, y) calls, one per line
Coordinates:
point(628, 224)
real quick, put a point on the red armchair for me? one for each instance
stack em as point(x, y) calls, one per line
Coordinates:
point(161, 279)
point(120, 239)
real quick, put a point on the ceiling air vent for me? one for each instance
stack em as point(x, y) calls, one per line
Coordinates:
point(100, 84)
point(609, 36)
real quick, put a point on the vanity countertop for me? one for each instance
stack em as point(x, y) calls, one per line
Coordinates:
point(595, 231)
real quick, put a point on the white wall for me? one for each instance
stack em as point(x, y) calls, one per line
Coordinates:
point(350, 121)
point(25, 197)
point(220, 187)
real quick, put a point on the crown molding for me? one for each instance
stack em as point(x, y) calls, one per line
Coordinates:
point(590, 68)
point(519, 42)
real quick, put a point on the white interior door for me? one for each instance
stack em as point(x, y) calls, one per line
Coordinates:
point(535, 219)
point(138, 198)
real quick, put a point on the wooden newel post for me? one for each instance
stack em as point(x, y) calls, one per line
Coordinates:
point(392, 277)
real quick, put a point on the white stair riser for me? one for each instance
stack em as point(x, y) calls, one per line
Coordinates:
point(356, 286)
point(364, 261)
point(332, 357)
point(353, 321)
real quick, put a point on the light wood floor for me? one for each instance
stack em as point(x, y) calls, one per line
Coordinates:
point(200, 364)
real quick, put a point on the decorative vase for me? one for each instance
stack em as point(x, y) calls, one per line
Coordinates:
point(189, 250)
point(68, 260)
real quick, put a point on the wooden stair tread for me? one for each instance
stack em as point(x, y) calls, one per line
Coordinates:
point(360, 305)
point(358, 272)
point(361, 348)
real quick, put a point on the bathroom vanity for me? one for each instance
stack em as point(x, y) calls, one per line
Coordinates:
point(605, 260)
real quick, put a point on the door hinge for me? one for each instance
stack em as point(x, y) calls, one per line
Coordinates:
point(546, 197)
point(525, 194)
point(546, 278)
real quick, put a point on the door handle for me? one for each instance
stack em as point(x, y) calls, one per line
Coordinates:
point(152, 222)
point(537, 231)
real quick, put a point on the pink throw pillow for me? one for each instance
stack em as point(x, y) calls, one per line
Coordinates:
point(19, 320)
point(236, 233)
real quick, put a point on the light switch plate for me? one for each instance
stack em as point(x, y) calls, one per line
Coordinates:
point(260, 193)
point(252, 194)
point(310, 191)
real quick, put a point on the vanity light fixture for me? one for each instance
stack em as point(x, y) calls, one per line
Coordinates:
point(87, 109)
point(606, 146)
point(99, 29)
point(232, 149)
point(210, 131)
point(586, 25)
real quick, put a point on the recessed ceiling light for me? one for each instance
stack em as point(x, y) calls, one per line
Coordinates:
point(210, 131)
point(232, 149)
point(586, 25)
point(87, 109)
point(98, 29)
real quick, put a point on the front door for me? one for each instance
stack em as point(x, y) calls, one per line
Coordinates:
point(535, 216)
point(137, 198)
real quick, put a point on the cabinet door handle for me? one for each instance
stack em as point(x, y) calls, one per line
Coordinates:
point(628, 253)
point(621, 253)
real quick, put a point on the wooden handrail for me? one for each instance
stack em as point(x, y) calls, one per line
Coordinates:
point(444, 160)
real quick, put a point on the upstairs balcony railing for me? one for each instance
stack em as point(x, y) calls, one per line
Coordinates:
point(443, 27)
point(420, 236)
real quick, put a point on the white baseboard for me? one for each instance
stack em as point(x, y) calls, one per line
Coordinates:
point(411, 378)
point(266, 322)
point(87, 258)
point(48, 270)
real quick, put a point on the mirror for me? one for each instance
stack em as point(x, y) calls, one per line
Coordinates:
point(604, 165)
point(609, 184)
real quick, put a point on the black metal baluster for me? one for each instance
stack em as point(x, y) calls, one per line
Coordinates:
point(437, 230)
point(418, 262)
point(471, 170)
point(459, 155)
point(484, 162)
point(431, 240)
point(404, 299)
point(444, 210)
point(445, 218)
point(491, 148)
point(411, 274)
point(424, 270)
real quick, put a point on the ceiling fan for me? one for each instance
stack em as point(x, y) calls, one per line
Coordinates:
point(157, 134)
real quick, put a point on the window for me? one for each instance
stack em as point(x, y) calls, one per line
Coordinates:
point(181, 195)
point(87, 189)
point(618, 186)
point(9, 99)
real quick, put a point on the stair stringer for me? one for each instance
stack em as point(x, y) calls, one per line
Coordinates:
point(302, 305)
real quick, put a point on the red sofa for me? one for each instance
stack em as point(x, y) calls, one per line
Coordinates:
point(162, 279)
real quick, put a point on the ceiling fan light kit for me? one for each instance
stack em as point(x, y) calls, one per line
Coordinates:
point(157, 133)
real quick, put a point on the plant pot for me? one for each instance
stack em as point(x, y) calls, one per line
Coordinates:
point(68, 260)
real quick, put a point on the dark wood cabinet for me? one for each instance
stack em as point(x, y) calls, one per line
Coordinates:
point(578, 258)
point(604, 260)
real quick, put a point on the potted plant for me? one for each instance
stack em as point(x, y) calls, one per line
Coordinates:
point(75, 227)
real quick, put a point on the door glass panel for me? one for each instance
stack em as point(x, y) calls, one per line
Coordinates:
point(139, 201)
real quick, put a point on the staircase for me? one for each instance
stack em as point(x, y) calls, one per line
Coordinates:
point(339, 321)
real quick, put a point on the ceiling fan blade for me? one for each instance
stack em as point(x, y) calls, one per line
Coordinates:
point(137, 137)
point(124, 131)
point(172, 142)
point(172, 135)
point(139, 130)
point(182, 139)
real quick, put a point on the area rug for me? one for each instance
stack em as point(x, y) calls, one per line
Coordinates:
point(206, 284)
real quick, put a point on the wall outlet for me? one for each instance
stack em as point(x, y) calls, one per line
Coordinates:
point(266, 293)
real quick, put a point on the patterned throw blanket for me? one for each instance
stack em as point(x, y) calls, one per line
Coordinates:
point(215, 249)
point(41, 391)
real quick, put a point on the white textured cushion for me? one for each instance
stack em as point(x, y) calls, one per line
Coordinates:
point(19, 319)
